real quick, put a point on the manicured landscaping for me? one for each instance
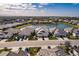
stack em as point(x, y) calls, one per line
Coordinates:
point(32, 36)
point(5, 49)
point(21, 26)
point(51, 36)
point(71, 37)
point(33, 50)
point(15, 37)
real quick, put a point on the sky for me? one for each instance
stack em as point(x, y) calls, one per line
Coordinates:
point(39, 9)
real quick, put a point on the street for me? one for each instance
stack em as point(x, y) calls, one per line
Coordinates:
point(35, 43)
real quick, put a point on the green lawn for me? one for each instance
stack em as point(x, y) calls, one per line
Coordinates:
point(21, 26)
point(5, 49)
point(73, 38)
point(33, 50)
point(52, 37)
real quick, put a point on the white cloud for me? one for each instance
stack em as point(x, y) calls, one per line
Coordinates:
point(43, 3)
point(22, 9)
point(21, 6)
point(23, 13)
point(40, 6)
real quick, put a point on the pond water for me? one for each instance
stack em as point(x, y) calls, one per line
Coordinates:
point(59, 25)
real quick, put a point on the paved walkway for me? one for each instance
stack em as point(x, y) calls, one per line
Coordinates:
point(3, 40)
point(59, 38)
point(65, 38)
point(40, 39)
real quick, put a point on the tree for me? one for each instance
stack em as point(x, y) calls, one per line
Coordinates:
point(20, 49)
point(43, 37)
point(67, 44)
point(6, 49)
point(33, 33)
point(30, 37)
point(49, 47)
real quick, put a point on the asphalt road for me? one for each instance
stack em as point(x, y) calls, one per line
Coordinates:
point(34, 43)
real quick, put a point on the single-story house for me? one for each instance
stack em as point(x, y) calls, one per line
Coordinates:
point(60, 33)
point(26, 31)
point(75, 22)
point(68, 29)
point(76, 32)
point(2, 34)
point(12, 30)
point(52, 30)
point(42, 32)
point(9, 32)
point(19, 20)
point(66, 20)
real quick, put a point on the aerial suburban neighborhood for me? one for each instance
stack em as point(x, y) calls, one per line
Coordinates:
point(49, 32)
point(40, 36)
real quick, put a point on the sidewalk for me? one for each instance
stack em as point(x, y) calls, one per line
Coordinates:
point(66, 38)
point(40, 39)
point(46, 39)
point(2, 41)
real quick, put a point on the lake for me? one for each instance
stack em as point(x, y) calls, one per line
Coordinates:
point(59, 26)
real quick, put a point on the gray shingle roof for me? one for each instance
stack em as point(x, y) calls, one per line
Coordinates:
point(26, 31)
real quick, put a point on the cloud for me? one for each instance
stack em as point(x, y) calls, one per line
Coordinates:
point(40, 6)
point(43, 4)
point(75, 3)
point(22, 9)
point(24, 13)
point(21, 6)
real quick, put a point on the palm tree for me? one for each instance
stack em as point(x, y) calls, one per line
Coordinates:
point(67, 44)
point(20, 49)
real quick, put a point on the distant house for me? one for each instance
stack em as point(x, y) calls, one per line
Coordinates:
point(60, 20)
point(75, 22)
point(66, 20)
point(60, 33)
point(19, 20)
point(12, 30)
point(9, 25)
point(76, 32)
